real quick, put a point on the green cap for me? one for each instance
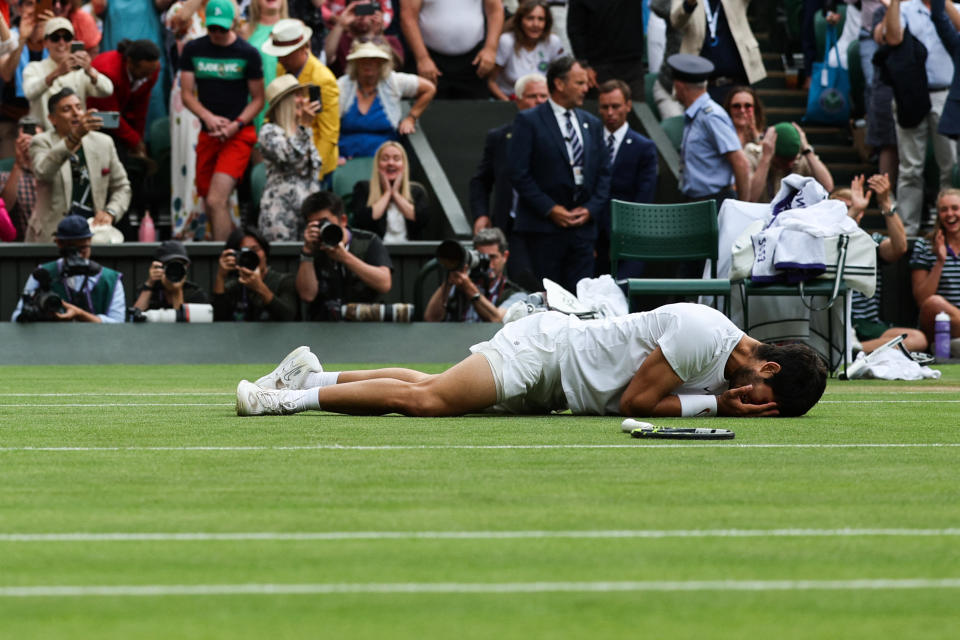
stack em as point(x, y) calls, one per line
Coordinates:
point(788, 139)
point(220, 13)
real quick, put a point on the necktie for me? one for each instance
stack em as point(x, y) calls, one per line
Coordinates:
point(610, 147)
point(575, 147)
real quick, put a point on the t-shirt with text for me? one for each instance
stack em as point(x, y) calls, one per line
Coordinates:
point(222, 73)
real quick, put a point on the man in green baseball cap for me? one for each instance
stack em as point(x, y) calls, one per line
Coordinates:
point(227, 74)
point(785, 150)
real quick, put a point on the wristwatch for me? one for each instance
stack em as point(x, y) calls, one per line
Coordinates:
point(808, 150)
point(892, 210)
point(475, 297)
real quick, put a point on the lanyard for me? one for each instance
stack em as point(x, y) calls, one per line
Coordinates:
point(713, 19)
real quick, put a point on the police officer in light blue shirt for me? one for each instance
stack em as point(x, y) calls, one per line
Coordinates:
point(711, 157)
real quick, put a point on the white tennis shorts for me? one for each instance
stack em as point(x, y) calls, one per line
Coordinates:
point(524, 357)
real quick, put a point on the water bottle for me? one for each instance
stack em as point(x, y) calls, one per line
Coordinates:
point(941, 336)
point(147, 232)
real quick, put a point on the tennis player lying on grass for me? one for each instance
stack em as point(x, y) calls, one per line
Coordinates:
point(678, 360)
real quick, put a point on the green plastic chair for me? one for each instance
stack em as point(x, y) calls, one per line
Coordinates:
point(6, 164)
point(857, 80)
point(258, 180)
point(668, 233)
point(347, 175)
point(673, 127)
point(159, 137)
point(648, 81)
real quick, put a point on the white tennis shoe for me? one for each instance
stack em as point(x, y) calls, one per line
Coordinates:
point(292, 371)
point(254, 401)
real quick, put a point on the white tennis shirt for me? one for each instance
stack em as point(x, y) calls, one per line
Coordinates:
point(600, 357)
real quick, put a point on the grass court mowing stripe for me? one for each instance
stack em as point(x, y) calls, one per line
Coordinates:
point(467, 535)
point(467, 587)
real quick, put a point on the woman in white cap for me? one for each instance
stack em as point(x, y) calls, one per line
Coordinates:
point(291, 159)
point(370, 95)
point(46, 77)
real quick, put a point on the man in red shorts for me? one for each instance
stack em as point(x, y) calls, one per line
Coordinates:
point(227, 74)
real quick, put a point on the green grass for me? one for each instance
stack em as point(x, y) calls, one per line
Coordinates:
point(169, 468)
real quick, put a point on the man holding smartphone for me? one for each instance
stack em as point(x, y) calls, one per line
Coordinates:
point(290, 43)
point(66, 67)
point(77, 169)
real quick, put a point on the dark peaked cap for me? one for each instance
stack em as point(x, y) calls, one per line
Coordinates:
point(687, 67)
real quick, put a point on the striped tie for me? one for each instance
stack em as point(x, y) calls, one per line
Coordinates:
point(610, 147)
point(576, 148)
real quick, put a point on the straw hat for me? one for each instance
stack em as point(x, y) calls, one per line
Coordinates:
point(368, 50)
point(279, 88)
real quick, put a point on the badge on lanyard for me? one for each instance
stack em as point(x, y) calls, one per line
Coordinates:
point(713, 20)
point(578, 176)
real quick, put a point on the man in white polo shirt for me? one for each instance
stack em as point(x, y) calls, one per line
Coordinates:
point(679, 360)
point(451, 47)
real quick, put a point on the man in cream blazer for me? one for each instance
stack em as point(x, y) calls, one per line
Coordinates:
point(72, 146)
point(696, 19)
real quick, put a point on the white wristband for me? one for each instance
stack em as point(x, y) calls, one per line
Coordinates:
point(692, 406)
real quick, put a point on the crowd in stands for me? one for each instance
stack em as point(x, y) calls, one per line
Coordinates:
point(293, 90)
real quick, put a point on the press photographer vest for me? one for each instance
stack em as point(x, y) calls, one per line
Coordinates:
point(101, 295)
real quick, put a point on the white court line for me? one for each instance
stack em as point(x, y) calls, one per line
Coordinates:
point(418, 447)
point(107, 394)
point(121, 404)
point(53, 591)
point(469, 535)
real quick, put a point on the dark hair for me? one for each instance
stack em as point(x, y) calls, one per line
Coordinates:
point(139, 50)
point(558, 70)
point(237, 235)
point(801, 380)
point(55, 99)
point(515, 23)
point(488, 236)
point(322, 201)
point(615, 85)
point(759, 119)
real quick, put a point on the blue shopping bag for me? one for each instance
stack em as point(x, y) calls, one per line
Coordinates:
point(828, 101)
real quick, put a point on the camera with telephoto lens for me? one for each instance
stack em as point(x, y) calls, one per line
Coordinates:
point(247, 258)
point(175, 271)
point(453, 256)
point(76, 265)
point(330, 233)
point(42, 305)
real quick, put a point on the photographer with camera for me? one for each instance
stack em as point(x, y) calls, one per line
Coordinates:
point(77, 169)
point(338, 265)
point(476, 288)
point(246, 288)
point(167, 286)
point(73, 287)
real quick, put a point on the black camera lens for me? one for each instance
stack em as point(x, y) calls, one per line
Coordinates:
point(248, 259)
point(175, 271)
point(330, 234)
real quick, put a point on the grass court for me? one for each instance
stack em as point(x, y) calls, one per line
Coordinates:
point(135, 504)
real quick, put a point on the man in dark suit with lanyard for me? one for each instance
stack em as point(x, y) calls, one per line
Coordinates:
point(560, 168)
point(633, 161)
point(493, 179)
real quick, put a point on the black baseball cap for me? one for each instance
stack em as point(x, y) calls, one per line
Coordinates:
point(171, 250)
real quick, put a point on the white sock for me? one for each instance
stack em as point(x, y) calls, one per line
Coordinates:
point(322, 379)
point(305, 399)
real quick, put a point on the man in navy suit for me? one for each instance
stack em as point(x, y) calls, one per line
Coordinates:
point(560, 168)
point(633, 160)
point(492, 178)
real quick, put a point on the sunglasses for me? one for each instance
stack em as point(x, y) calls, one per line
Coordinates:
point(746, 106)
point(60, 36)
point(215, 29)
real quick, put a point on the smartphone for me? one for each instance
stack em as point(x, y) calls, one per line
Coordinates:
point(43, 6)
point(29, 128)
point(314, 94)
point(111, 119)
point(367, 9)
point(76, 46)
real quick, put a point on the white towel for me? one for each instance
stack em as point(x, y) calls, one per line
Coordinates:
point(889, 364)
